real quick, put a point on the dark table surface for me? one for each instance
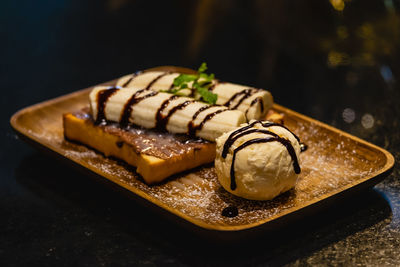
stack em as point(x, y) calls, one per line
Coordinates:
point(336, 61)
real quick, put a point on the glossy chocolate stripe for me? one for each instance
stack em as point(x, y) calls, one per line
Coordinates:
point(229, 142)
point(269, 124)
point(131, 78)
point(134, 99)
point(163, 121)
point(156, 79)
point(255, 101)
point(212, 87)
point(159, 116)
point(233, 97)
point(102, 97)
point(261, 101)
point(191, 127)
point(264, 124)
point(207, 118)
point(303, 147)
point(247, 94)
point(283, 141)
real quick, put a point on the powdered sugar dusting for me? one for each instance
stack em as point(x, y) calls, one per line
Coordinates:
point(331, 162)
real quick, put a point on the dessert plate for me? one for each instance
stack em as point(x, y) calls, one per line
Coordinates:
point(335, 164)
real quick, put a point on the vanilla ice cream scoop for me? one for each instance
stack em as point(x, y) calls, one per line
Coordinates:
point(258, 161)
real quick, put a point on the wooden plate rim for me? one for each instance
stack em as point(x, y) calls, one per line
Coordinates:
point(384, 171)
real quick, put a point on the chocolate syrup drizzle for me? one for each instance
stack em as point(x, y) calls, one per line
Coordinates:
point(229, 142)
point(131, 78)
point(159, 116)
point(243, 92)
point(230, 212)
point(127, 110)
point(162, 121)
point(212, 87)
point(255, 101)
point(283, 141)
point(192, 131)
point(303, 147)
point(243, 131)
point(191, 128)
point(263, 124)
point(102, 97)
point(247, 93)
point(156, 79)
point(171, 87)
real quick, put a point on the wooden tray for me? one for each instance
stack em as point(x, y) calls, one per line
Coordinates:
point(335, 164)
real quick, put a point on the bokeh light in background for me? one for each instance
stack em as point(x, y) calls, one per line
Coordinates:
point(367, 121)
point(348, 115)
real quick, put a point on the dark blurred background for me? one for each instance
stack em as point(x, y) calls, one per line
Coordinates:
point(337, 61)
point(316, 57)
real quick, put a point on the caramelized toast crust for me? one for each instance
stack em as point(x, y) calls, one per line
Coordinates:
point(156, 155)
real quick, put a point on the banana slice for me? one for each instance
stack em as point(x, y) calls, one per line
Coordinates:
point(151, 109)
point(254, 102)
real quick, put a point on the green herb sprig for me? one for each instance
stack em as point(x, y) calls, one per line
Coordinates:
point(201, 83)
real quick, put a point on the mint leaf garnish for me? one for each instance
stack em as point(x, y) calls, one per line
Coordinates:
point(207, 96)
point(201, 82)
point(202, 68)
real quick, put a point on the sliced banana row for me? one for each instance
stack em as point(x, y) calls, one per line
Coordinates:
point(151, 109)
point(254, 102)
